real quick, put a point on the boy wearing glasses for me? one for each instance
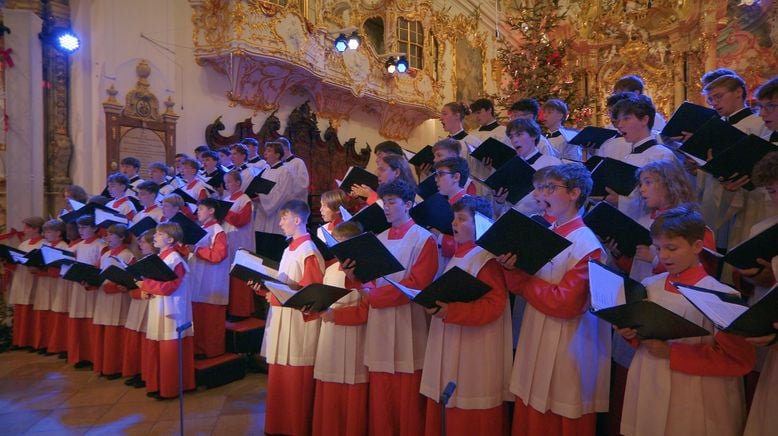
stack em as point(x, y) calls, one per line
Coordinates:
point(561, 372)
point(451, 176)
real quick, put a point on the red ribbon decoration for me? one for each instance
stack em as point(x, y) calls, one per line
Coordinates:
point(6, 54)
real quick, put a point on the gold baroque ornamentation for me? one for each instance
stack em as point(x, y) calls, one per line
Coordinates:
point(140, 102)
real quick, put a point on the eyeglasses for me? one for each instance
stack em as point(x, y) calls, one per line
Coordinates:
point(438, 174)
point(715, 98)
point(549, 188)
point(765, 108)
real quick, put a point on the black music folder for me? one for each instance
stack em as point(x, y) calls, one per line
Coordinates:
point(120, 276)
point(270, 246)
point(499, 152)
point(142, 226)
point(593, 137)
point(152, 267)
point(214, 182)
point(424, 156)
point(372, 218)
point(715, 135)
point(434, 212)
point(250, 267)
point(12, 255)
point(184, 196)
point(454, 286)
point(763, 245)
point(105, 219)
point(615, 174)
point(533, 244)
point(373, 259)
point(322, 246)
point(259, 185)
point(607, 221)
point(53, 256)
point(358, 176)
point(621, 301)
point(80, 272)
point(428, 187)
point(739, 159)
point(316, 297)
point(515, 176)
point(193, 233)
point(222, 208)
point(687, 118)
point(87, 209)
point(34, 258)
point(731, 315)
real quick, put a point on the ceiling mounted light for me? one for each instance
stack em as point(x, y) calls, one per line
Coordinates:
point(354, 41)
point(341, 43)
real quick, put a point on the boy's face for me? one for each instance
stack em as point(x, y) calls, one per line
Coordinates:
point(557, 199)
point(237, 157)
point(146, 198)
point(230, 184)
point(552, 118)
point(724, 101)
point(768, 110)
point(676, 253)
point(225, 159)
point(204, 213)
point(450, 121)
point(385, 173)
point(772, 191)
point(523, 143)
point(168, 210)
point(128, 170)
point(483, 116)
point(52, 235)
point(447, 181)
point(395, 209)
point(162, 240)
point(652, 190)
point(30, 232)
point(270, 156)
point(327, 214)
point(114, 240)
point(145, 246)
point(188, 172)
point(442, 153)
point(632, 127)
point(116, 190)
point(209, 163)
point(289, 223)
point(157, 175)
point(86, 232)
point(178, 163)
point(464, 227)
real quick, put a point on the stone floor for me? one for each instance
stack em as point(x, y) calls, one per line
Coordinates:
point(44, 395)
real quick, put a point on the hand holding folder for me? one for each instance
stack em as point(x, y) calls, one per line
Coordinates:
point(454, 286)
point(316, 297)
point(729, 314)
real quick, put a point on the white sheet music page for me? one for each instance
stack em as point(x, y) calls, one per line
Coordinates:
point(605, 288)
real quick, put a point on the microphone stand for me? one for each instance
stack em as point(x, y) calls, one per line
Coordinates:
point(448, 391)
point(180, 330)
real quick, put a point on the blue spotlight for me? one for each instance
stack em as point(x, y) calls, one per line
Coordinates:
point(402, 64)
point(341, 43)
point(67, 41)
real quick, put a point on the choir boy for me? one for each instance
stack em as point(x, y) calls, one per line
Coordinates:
point(46, 286)
point(297, 170)
point(448, 148)
point(239, 154)
point(387, 147)
point(561, 371)
point(635, 85)
point(209, 268)
point(528, 108)
point(23, 285)
point(470, 343)
point(397, 328)
point(291, 340)
point(169, 307)
point(253, 158)
point(225, 160)
point(212, 175)
point(60, 302)
point(240, 234)
point(693, 385)
point(451, 117)
point(111, 306)
point(148, 192)
point(82, 298)
point(135, 325)
point(616, 147)
point(554, 114)
point(118, 187)
point(451, 174)
point(483, 109)
point(130, 166)
point(340, 404)
point(193, 186)
point(268, 207)
point(158, 173)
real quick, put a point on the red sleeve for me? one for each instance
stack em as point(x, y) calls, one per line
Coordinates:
point(52, 271)
point(202, 194)
point(727, 356)
point(135, 294)
point(352, 315)
point(624, 263)
point(312, 272)
point(448, 246)
point(165, 288)
point(487, 308)
point(420, 276)
point(240, 218)
point(372, 198)
point(566, 300)
point(111, 288)
point(216, 252)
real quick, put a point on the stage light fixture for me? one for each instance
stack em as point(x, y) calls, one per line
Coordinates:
point(341, 43)
point(68, 42)
point(402, 65)
point(391, 67)
point(354, 40)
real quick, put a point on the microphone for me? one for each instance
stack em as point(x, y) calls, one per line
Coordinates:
point(184, 327)
point(447, 392)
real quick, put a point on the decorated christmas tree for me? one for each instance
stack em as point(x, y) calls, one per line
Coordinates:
point(535, 66)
